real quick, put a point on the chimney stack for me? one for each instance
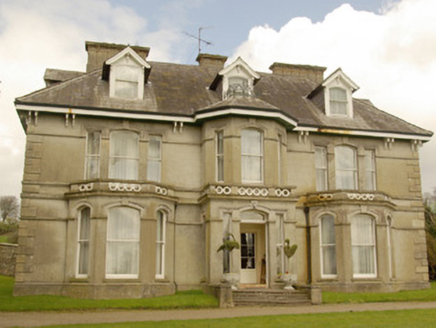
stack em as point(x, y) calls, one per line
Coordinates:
point(99, 52)
point(211, 61)
point(313, 73)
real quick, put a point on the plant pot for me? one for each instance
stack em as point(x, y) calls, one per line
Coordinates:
point(290, 279)
point(232, 279)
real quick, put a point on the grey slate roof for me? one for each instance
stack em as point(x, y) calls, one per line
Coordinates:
point(183, 90)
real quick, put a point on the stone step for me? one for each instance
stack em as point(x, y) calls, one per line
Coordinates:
point(270, 297)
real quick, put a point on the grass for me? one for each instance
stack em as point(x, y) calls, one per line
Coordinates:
point(398, 319)
point(182, 300)
point(4, 238)
point(426, 295)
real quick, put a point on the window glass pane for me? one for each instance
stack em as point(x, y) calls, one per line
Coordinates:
point(346, 168)
point(122, 256)
point(338, 101)
point(154, 159)
point(363, 245)
point(248, 256)
point(126, 89)
point(154, 147)
point(124, 224)
point(369, 170)
point(128, 73)
point(92, 165)
point(124, 155)
point(219, 156)
point(252, 156)
point(93, 147)
point(328, 245)
point(160, 244)
point(251, 142)
point(83, 241)
point(321, 168)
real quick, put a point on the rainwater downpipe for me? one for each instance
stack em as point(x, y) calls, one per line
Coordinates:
point(308, 246)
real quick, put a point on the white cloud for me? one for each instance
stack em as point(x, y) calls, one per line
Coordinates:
point(35, 35)
point(391, 56)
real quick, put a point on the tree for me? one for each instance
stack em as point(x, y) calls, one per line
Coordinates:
point(430, 225)
point(9, 207)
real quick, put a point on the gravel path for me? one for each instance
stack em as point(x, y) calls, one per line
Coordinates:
point(36, 319)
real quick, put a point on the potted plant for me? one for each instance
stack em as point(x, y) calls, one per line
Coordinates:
point(229, 244)
point(289, 278)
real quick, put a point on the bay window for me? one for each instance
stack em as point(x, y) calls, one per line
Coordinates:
point(363, 246)
point(328, 247)
point(124, 155)
point(160, 245)
point(251, 156)
point(122, 249)
point(321, 168)
point(84, 228)
point(92, 157)
point(346, 167)
point(154, 159)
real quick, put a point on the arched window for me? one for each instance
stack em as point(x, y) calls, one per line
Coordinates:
point(252, 156)
point(122, 250)
point(363, 246)
point(338, 102)
point(328, 247)
point(124, 155)
point(160, 244)
point(83, 236)
point(346, 167)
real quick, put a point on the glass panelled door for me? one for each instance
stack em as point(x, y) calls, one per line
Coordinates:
point(248, 258)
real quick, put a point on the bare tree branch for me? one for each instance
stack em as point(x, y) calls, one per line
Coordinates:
point(9, 207)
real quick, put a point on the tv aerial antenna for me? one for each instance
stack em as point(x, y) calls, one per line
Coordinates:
point(199, 39)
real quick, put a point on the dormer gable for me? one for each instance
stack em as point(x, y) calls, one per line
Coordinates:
point(238, 80)
point(127, 73)
point(338, 89)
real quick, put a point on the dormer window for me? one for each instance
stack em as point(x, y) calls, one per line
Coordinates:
point(127, 74)
point(238, 86)
point(238, 79)
point(338, 89)
point(338, 101)
point(127, 81)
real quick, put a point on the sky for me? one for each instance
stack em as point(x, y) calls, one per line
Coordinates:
point(387, 47)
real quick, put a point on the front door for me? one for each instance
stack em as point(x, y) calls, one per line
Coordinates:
point(253, 264)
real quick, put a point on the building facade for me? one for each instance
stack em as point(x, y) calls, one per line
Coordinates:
point(137, 171)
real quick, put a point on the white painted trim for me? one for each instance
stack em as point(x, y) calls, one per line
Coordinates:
point(187, 119)
point(364, 133)
point(125, 52)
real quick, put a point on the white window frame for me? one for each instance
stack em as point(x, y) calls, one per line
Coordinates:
point(327, 245)
point(219, 155)
point(133, 241)
point(81, 241)
point(370, 170)
point(131, 159)
point(353, 170)
point(321, 170)
point(349, 102)
point(157, 159)
point(160, 244)
point(90, 157)
point(118, 74)
point(250, 156)
point(372, 245)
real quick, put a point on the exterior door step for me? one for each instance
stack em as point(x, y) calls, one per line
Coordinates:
point(270, 297)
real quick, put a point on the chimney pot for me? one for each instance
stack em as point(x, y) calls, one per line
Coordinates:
point(211, 61)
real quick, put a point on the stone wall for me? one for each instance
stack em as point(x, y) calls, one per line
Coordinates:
point(8, 253)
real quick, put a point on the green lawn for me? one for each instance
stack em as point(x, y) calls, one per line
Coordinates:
point(397, 319)
point(182, 300)
point(426, 295)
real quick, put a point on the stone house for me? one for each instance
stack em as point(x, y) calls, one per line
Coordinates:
point(136, 172)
